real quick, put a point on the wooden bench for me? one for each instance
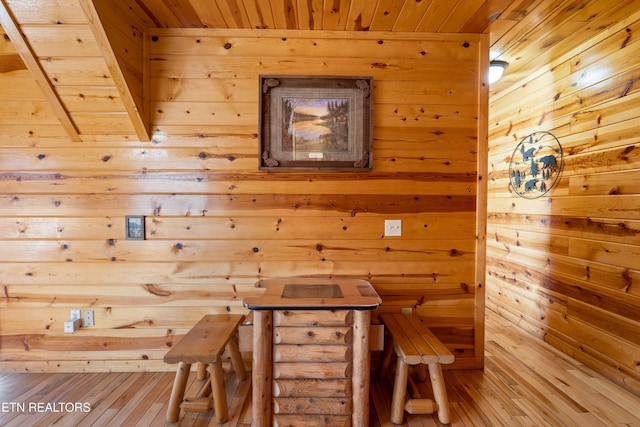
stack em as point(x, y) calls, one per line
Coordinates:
point(415, 345)
point(204, 344)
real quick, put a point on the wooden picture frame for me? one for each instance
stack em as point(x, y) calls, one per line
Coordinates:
point(134, 226)
point(315, 122)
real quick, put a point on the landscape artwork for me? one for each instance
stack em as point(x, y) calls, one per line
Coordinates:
point(315, 125)
point(315, 122)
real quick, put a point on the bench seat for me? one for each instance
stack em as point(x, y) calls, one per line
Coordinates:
point(415, 345)
point(204, 344)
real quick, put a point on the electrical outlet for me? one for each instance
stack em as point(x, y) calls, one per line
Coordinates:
point(72, 325)
point(392, 227)
point(88, 318)
point(75, 314)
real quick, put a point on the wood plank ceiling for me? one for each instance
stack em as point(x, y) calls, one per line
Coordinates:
point(450, 16)
point(73, 47)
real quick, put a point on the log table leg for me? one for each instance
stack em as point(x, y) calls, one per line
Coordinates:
point(361, 380)
point(262, 367)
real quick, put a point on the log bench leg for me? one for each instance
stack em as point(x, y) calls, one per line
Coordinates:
point(202, 371)
point(177, 393)
point(421, 372)
point(236, 358)
point(439, 392)
point(400, 394)
point(219, 395)
point(385, 361)
point(399, 391)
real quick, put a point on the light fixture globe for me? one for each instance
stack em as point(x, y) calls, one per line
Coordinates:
point(496, 70)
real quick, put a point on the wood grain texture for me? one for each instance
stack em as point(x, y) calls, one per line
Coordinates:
point(564, 266)
point(525, 382)
point(215, 224)
point(120, 37)
point(70, 48)
point(29, 57)
point(573, 69)
point(358, 15)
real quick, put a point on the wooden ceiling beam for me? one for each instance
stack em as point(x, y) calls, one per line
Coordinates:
point(136, 106)
point(33, 65)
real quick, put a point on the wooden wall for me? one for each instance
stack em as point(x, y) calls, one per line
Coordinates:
point(566, 266)
point(215, 224)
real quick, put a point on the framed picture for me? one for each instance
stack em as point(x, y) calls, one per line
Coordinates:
point(315, 122)
point(134, 225)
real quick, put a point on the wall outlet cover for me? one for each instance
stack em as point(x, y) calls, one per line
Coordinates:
point(88, 318)
point(392, 227)
point(72, 325)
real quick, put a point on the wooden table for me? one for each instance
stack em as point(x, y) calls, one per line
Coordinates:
point(311, 351)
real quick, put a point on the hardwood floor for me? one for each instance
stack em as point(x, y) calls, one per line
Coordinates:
point(525, 383)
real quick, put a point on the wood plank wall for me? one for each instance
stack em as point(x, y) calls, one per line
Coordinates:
point(215, 224)
point(566, 266)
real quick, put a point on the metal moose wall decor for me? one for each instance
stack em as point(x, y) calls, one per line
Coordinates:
point(535, 165)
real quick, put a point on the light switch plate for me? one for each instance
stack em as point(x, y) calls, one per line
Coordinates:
point(392, 227)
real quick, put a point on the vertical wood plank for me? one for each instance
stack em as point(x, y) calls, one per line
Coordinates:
point(481, 197)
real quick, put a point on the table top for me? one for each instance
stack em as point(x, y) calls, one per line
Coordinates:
point(314, 293)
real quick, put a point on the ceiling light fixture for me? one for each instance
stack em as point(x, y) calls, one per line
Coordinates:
point(496, 70)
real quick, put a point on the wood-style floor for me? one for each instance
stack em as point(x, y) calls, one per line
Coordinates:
point(525, 383)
